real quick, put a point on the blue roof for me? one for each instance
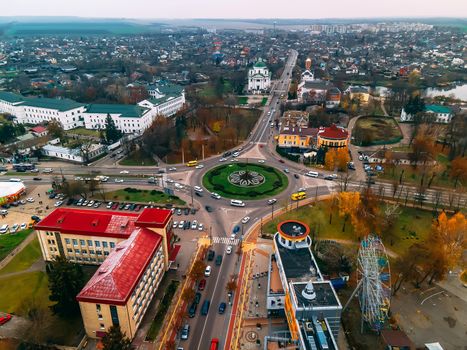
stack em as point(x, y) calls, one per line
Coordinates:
point(437, 109)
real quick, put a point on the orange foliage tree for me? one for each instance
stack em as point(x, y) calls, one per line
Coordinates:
point(459, 170)
point(348, 204)
point(337, 158)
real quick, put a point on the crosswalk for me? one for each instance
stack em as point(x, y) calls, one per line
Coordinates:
point(225, 240)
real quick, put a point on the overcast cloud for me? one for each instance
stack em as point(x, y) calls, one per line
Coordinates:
point(234, 8)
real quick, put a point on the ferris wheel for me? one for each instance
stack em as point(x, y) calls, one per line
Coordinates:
point(374, 282)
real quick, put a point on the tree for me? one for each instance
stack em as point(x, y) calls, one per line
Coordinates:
point(390, 215)
point(112, 134)
point(342, 158)
point(66, 280)
point(405, 267)
point(55, 129)
point(348, 204)
point(197, 270)
point(73, 188)
point(188, 295)
point(458, 170)
point(330, 159)
point(365, 220)
point(423, 148)
point(231, 285)
point(116, 340)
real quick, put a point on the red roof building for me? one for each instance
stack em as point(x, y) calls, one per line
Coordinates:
point(333, 136)
point(39, 131)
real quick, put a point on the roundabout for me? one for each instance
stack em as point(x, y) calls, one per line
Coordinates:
point(245, 181)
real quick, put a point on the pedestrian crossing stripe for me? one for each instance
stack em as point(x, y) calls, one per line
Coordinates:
point(225, 240)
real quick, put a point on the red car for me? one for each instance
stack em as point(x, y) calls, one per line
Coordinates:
point(115, 206)
point(202, 284)
point(5, 319)
point(138, 207)
point(281, 161)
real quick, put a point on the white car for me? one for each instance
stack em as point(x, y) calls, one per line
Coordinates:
point(261, 161)
point(222, 160)
point(14, 228)
point(170, 181)
point(118, 180)
point(235, 154)
point(232, 236)
point(301, 189)
point(194, 225)
point(175, 224)
point(207, 272)
point(197, 189)
point(215, 195)
point(30, 200)
point(59, 203)
point(272, 201)
point(47, 170)
point(181, 224)
point(23, 226)
point(228, 250)
point(179, 186)
point(124, 172)
point(234, 160)
point(172, 169)
point(199, 166)
point(200, 227)
point(245, 219)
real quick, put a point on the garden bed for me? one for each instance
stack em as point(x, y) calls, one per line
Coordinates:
point(130, 194)
point(369, 131)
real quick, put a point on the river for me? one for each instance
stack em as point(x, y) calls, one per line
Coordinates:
point(459, 92)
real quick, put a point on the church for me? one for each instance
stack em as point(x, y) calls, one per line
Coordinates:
point(259, 78)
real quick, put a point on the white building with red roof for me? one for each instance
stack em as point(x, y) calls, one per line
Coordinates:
point(134, 252)
point(333, 136)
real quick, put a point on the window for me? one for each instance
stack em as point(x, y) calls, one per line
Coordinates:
point(69, 250)
point(114, 315)
point(106, 253)
point(101, 325)
point(104, 244)
point(112, 245)
point(84, 251)
point(77, 251)
point(97, 243)
point(98, 252)
point(75, 242)
point(82, 242)
point(67, 240)
point(91, 251)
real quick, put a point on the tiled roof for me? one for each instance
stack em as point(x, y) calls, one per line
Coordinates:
point(125, 111)
point(299, 131)
point(89, 222)
point(61, 105)
point(119, 274)
point(333, 132)
point(38, 129)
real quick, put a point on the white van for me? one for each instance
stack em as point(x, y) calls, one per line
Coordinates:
point(237, 203)
point(4, 229)
point(198, 189)
point(312, 174)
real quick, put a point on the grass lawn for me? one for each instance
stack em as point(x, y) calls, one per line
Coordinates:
point(8, 242)
point(376, 130)
point(243, 100)
point(84, 132)
point(142, 196)
point(137, 158)
point(161, 312)
point(414, 175)
point(24, 259)
point(263, 101)
point(216, 180)
point(412, 226)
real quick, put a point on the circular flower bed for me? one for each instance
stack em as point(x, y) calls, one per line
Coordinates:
point(246, 178)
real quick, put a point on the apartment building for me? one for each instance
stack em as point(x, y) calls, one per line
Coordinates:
point(133, 251)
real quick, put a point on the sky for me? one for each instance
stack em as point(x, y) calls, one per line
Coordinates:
point(174, 9)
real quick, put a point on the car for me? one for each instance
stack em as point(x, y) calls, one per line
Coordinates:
point(205, 307)
point(296, 176)
point(35, 218)
point(5, 319)
point(197, 189)
point(222, 159)
point(4, 229)
point(109, 205)
point(179, 212)
point(47, 170)
point(272, 201)
point(23, 226)
point(115, 206)
point(137, 207)
point(124, 172)
point(97, 204)
point(185, 332)
point(175, 224)
point(351, 166)
point(58, 203)
point(192, 310)
point(232, 236)
point(34, 170)
point(127, 206)
point(261, 161)
point(3, 212)
point(245, 219)
point(236, 229)
point(91, 203)
point(181, 224)
point(234, 160)
point(228, 250)
point(37, 178)
point(14, 228)
point(187, 225)
point(121, 206)
point(52, 196)
point(286, 170)
point(235, 154)
point(199, 194)
point(312, 174)
point(118, 180)
point(281, 161)
point(211, 255)
point(202, 285)
point(215, 195)
point(329, 177)
point(218, 260)
point(192, 211)
point(194, 225)
point(178, 186)
point(227, 154)
point(222, 307)
point(172, 169)
point(209, 209)
point(197, 298)
point(200, 227)
point(169, 181)
point(199, 166)
point(30, 200)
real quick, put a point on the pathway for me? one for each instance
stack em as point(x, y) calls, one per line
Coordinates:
point(15, 251)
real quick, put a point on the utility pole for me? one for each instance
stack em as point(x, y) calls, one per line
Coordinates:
point(183, 155)
point(272, 211)
point(202, 149)
point(191, 192)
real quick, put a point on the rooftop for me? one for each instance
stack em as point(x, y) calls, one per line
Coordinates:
point(333, 132)
point(298, 264)
point(317, 332)
point(438, 109)
point(9, 188)
point(292, 229)
point(11, 97)
point(119, 274)
point(124, 111)
point(325, 295)
point(286, 130)
point(90, 222)
point(61, 105)
point(152, 217)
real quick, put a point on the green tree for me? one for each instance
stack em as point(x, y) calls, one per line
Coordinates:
point(116, 340)
point(112, 134)
point(66, 279)
point(55, 129)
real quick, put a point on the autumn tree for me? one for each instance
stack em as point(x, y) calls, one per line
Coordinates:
point(348, 204)
point(197, 270)
point(330, 159)
point(405, 268)
point(458, 170)
point(115, 339)
point(188, 295)
point(342, 158)
point(73, 188)
point(365, 221)
point(55, 129)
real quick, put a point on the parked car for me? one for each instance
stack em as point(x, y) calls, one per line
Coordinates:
point(185, 332)
point(211, 255)
point(218, 260)
point(175, 224)
point(197, 297)
point(30, 200)
point(207, 271)
point(200, 227)
point(228, 250)
point(245, 219)
point(23, 226)
point(202, 285)
point(181, 224)
point(194, 225)
point(192, 310)
point(14, 228)
point(209, 209)
point(222, 307)
point(115, 206)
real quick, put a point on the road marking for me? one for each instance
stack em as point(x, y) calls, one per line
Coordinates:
point(225, 240)
point(431, 296)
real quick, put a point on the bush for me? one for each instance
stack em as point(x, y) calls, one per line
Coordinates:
point(218, 187)
point(154, 192)
point(127, 198)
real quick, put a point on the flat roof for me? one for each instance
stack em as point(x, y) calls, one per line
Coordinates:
point(292, 229)
point(61, 105)
point(325, 295)
point(11, 97)
point(298, 264)
point(316, 332)
point(125, 111)
point(275, 283)
point(117, 277)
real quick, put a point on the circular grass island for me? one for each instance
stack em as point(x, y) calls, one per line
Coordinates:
point(245, 181)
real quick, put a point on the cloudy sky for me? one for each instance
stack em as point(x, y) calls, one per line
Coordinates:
point(235, 8)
